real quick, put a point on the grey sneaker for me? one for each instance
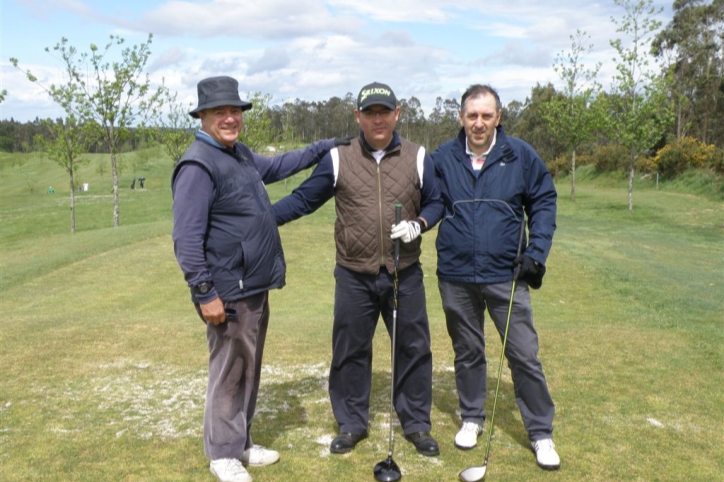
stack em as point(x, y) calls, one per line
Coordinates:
point(545, 454)
point(229, 470)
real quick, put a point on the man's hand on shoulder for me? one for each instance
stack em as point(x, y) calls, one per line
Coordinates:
point(343, 141)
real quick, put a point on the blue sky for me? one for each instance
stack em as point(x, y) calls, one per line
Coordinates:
point(311, 49)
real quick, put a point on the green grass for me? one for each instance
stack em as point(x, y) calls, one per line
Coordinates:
point(103, 359)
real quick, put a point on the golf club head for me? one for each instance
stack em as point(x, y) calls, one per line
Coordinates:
point(473, 474)
point(387, 471)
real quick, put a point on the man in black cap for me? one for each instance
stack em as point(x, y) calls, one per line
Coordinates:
point(228, 246)
point(367, 178)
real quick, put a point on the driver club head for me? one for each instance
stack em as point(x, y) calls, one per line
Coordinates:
point(473, 474)
point(387, 471)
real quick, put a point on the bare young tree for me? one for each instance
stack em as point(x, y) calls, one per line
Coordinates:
point(65, 144)
point(111, 94)
point(172, 126)
point(572, 118)
point(639, 108)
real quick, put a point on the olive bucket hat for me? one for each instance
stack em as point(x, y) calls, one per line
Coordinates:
point(218, 91)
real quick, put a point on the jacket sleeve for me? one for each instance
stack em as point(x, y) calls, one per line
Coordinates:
point(431, 206)
point(273, 169)
point(309, 196)
point(193, 193)
point(540, 206)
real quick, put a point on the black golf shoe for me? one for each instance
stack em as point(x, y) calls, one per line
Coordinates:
point(424, 443)
point(346, 441)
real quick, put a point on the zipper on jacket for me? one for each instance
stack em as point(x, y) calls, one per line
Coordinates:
point(379, 206)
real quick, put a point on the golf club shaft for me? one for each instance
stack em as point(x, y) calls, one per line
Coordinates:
point(398, 216)
point(516, 272)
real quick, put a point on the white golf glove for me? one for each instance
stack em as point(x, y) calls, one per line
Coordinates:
point(405, 231)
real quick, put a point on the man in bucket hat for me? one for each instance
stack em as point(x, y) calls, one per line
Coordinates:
point(227, 245)
point(367, 178)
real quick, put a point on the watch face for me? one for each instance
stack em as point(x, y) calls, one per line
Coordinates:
point(203, 288)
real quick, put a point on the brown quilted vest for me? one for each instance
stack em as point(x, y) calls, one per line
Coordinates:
point(365, 198)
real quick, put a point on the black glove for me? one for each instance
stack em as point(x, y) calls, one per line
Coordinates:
point(530, 271)
point(343, 141)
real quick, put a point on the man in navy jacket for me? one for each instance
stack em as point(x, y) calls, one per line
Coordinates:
point(489, 181)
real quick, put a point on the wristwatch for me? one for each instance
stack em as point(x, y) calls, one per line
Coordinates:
point(202, 288)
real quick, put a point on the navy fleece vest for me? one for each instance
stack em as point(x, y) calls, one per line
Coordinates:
point(243, 248)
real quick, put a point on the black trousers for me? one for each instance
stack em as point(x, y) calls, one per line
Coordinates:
point(359, 300)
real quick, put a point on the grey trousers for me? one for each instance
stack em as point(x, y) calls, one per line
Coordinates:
point(464, 305)
point(235, 353)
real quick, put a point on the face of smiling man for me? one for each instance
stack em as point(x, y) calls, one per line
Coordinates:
point(222, 123)
point(479, 117)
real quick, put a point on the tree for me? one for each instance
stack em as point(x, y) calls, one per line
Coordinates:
point(257, 123)
point(411, 123)
point(532, 126)
point(638, 107)
point(65, 144)
point(110, 95)
point(442, 124)
point(172, 126)
point(572, 118)
point(3, 94)
point(694, 44)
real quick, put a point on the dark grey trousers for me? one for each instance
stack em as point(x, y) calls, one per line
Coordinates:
point(464, 305)
point(358, 302)
point(235, 353)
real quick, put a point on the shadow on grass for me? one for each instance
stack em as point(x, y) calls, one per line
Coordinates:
point(290, 406)
point(507, 415)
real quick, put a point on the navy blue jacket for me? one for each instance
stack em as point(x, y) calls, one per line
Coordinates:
point(224, 230)
point(477, 238)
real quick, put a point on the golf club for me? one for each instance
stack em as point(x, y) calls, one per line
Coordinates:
point(388, 470)
point(477, 473)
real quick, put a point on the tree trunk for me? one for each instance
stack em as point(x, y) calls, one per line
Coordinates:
point(72, 203)
point(631, 168)
point(573, 175)
point(114, 175)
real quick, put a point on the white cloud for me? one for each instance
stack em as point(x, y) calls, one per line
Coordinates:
point(316, 49)
point(169, 58)
point(426, 11)
point(271, 19)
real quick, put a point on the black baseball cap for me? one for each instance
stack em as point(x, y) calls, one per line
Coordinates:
point(376, 93)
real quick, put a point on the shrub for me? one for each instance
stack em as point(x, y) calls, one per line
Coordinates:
point(561, 165)
point(686, 153)
point(645, 165)
point(609, 158)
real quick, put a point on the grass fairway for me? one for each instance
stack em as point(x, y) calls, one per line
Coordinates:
point(103, 358)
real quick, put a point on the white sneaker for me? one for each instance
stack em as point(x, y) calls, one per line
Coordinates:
point(229, 470)
point(467, 437)
point(545, 454)
point(259, 456)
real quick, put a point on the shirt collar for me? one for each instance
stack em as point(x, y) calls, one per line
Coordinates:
point(484, 154)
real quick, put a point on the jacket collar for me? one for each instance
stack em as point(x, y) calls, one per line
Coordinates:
point(207, 139)
point(395, 142)
point(460, 149)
